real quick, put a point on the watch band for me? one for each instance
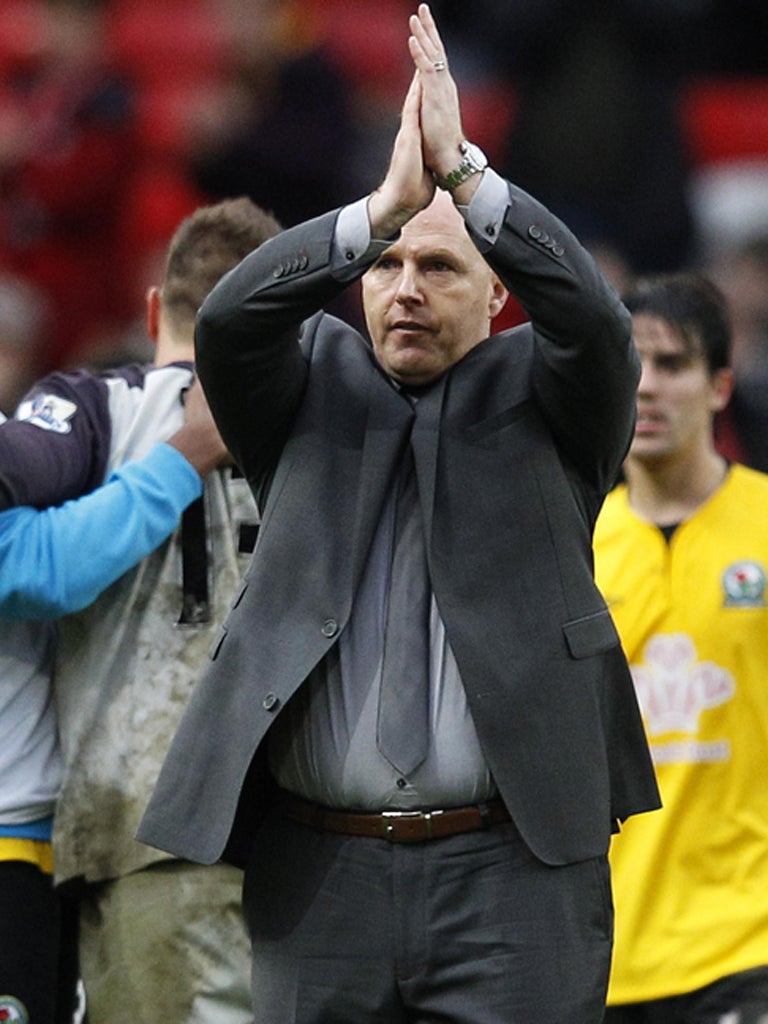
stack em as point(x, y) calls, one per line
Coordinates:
point(473, 161)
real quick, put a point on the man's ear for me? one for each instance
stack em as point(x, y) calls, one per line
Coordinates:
point(722, 388)
point(153, 303)
point(499, 296)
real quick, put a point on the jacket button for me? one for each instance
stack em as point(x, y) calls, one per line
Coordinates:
point(271, 702)
point(558, 250)
point(535, 231)
point(330, 628)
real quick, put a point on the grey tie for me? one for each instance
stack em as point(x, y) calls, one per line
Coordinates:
point(403, 723)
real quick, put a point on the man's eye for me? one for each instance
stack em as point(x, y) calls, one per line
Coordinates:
point(672, 364)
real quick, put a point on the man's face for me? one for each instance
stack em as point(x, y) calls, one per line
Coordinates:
point(677, 395)
point(430, 296)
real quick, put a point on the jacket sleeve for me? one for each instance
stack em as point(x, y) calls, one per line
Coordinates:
point(58, 560)
point(585, 369)
point(254, 337)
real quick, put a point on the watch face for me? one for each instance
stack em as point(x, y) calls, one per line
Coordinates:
point(474, 155)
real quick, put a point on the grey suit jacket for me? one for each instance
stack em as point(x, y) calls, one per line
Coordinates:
point(515, 447)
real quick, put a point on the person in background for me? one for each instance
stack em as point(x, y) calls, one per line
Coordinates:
point(418, 729)
point(24, 317)
point(740, 270)
point(681, 551)
point(158, 938)
point(596, 129)
point(37, 977)
point(54, 561)
point(57, 560)
point(280, 128)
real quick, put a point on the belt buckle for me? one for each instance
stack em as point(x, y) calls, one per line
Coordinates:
point(388, 828)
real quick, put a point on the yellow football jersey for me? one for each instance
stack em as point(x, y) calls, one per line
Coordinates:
point(691, 880)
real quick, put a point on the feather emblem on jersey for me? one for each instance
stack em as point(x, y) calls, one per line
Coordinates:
point(674, 686)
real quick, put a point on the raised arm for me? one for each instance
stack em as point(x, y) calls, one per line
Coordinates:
point(248, 329)
point(586, 369)
point(58, 560)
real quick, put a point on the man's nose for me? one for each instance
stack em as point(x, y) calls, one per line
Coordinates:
point(647, 381)
point(409, 287)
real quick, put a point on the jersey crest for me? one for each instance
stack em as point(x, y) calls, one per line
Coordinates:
point(744, 585)
point(51, 412)
point(13, 1010)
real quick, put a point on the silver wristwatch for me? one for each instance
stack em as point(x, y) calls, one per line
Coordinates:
point(473, 161)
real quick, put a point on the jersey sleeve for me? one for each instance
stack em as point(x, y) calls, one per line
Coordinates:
point(58, 560)
point(57, 445)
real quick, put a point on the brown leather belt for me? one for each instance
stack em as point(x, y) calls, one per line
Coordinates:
point(394, 826)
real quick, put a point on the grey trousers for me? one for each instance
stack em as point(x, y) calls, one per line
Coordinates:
point(470, 929)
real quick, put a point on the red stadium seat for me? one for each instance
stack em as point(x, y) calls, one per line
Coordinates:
point(22, 34)
point(726, 118)
point(167, 42)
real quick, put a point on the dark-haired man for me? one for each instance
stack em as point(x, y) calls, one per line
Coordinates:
point(681, 553)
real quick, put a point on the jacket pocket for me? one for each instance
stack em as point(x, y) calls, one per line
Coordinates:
point(593, 634)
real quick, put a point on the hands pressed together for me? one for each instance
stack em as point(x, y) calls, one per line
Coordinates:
point(427, 143)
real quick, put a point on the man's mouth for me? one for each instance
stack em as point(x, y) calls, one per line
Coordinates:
point(409, 326)
point(648, 423)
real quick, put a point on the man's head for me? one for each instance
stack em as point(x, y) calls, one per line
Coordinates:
point(207, 244)
point(430, 297)
point(682, 333)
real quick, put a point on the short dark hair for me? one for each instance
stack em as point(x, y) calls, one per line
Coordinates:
point(693, 306)
point(207, 244)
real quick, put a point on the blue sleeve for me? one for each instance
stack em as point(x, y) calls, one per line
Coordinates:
point(58, 560)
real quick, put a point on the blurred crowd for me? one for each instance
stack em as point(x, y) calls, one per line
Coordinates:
point(641, 122)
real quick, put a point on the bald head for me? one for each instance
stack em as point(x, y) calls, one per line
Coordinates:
point(430, 297)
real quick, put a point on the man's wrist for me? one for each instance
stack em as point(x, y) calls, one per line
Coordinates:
point(386, 218)
point(353, 248)
point(460, 166)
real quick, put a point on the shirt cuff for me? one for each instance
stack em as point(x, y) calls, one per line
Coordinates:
point(352, 248)
point(487, 209)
